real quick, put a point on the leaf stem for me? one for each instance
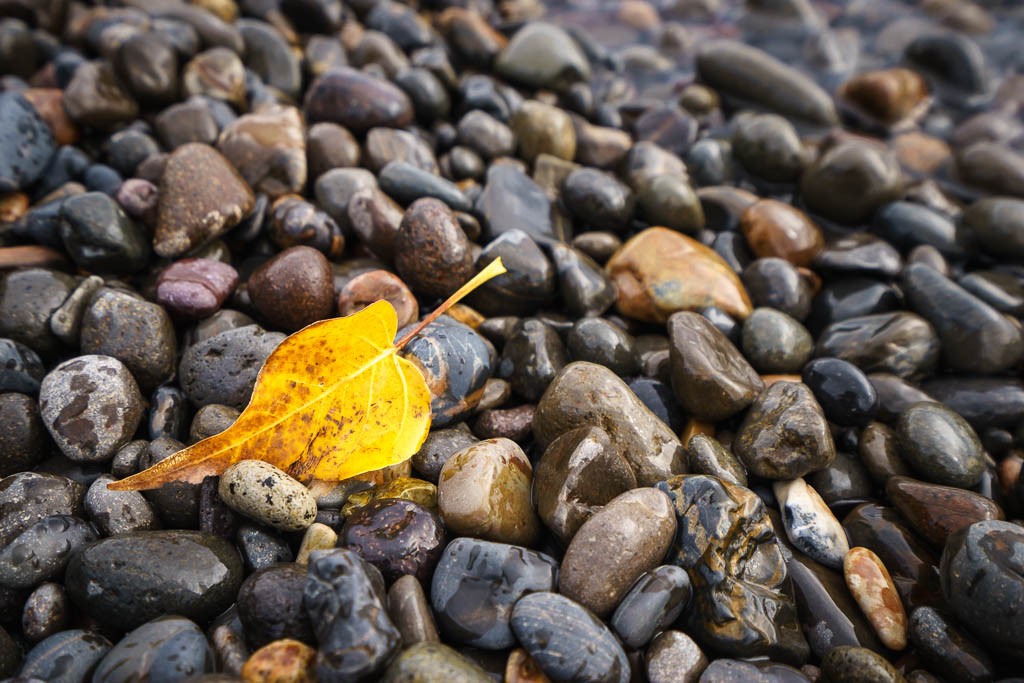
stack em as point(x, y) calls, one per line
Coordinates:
point(493, 269)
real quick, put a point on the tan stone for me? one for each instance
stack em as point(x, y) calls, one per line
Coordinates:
point(875, 593)
point(282, 661)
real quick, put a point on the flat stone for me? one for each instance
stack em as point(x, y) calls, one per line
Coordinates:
point(873, 589)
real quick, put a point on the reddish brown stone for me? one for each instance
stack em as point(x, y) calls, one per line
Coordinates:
point(293, 289)
point(889, 94)
point(374, 285)
point(47, 101)
point(774, 228)
point(936, 511)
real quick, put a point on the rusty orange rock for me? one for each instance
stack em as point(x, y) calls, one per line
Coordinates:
point(47, 101)
point(659, 272)
point(872, 587)
point(888, 94)
point(774, 228)
point(282, 661)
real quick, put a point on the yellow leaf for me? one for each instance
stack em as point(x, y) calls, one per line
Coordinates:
point(332, 401)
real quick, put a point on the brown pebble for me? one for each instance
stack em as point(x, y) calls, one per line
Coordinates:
point(520, 668)
point(293, 289)
point(512, 423)
point(268, 148)
point(889, 94)
point(872, 587)
point(936, 511)
point(374, 285)
point(432, 253)
point(31, 256)
point(774, 228)
point(13, 206)
point(47, 101)
point(195, 288)
point(282, 661)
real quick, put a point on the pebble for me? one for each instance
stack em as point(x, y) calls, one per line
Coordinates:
point(567, 641)
point(597, 200)
point(768, 146)
point(510, 200)
point(484, 491)
point(410, 611)
point(355, 635)
point(27, 300)
point(850, 664)
point(934, 511)
point(850, 181)
point(65, 657)
point(432, 253)
point(202, 196)
point(669, 200)
point(872, 587)
point(652, 605)
point(125, 581)
point(528, 284)
point(674, 657)
point(22, 369)
point(30, 497)
point(889, 95)
point(222, 369)
point(266, 494)
point(844, 392)
point(784, 434)
point(293, 289)
point(261, 548)
point(270, 605)
point(706, 455)
point(23, 435)
point(943, 646)
point(356, 101)
point(42, 551)
point(427, 661)
point(167, 648)
point(371, 286)
point(860, 253)
point(399, 537)
point(95, 98)
point(584, 394)
point(542, 56)
point(540, 128)
point(136, 332)
point(26, 145)
point(195, 288)
point(809, 524)
point(997, 224)
point(735, 671)
point(531, 359)
point(900, 343)
point(283, 660)
point(296, 222)
point(100, 237)
point(906, 225)
point(775, 343)
point(118, 512)
point(317, 537)
point(477, 583)
point(775, 229)
point(91, 406)
point(407, 183)
point(268, 148)
point(940, 445)
point(45, 613)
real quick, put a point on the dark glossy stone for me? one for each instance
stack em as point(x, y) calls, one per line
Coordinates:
point(65, 657)
point(406, 183)
point(477, 583)
point(998, 225)
point(42, 551)
point(860, 253)
point(940, 445)
point(775, 283)
point(28, 298)
point(936, 512)
point(30, 497)
point(293, 289)
point(850, 180)
point(125, 581)
point(45, 613)
point(659, 399)
point(652, 604)
point(768, 146)
point(975, 337)
point(907, 225)
point(726, 542)
point(774, 228)
point(583, 287)
point(784, 434)
point(167, 648)
point(706, 455)
point(26, 144)
point(531, 359)
point(843, 390)
point(895, 395)
point(710, 377)
point(528, 284)
point(567, 641)
point(598, 200)
point(775, 343)
point(737, 671)
point(118, 512)
point(355, 635)
point(843, 484)
point(261, 548)
point(983, 401)
point(176, 503)
point(853, 664)
point(510, 200)
point(911, 564)
point(23, 438)
point(357, 101)
point(270, 605)
point(1002, 291)
point(397, 536)
point(944, 647)
point(457, 362)
point(21, 369)
point(983, 581)
point(599, 341)
point(851, 297)
point(953, 58)
point(670, 201)
point(432, 252)
point(542, 55)
point(901, 343)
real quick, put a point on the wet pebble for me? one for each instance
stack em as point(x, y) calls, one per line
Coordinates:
point(674, 656)
point(168, 647)
point(99, 237)
point(68, 656)
point(873, 589)
point(542, 55)
point(776, 229)
point(266, 494)
point(118, 512)
point(42, 551)
point(399, 537)
point(531, 359)
point(848, 664)
point(940, 445)
point(775, 343)
point(652, 604)
point(900, 343)
point(428, 661)
point(222, 369)
point(356, 101)
point(432, 252)
point(281, 660)
point(410, 610)
point(776, 283)
point(270, 605)
point(851, 180)
point(195, 288)
point(293, 289)
point(26, 143)
point(846, 395)
point(936, 511)
point(809, 524)
point(46, 612)
point(943, 646)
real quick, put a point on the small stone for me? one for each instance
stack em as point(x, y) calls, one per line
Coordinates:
point(543, 129)
point(936, 511)
point(22, 435)
point(166, 648)
point(845, 393)
point(851, 180)
point(873, 589)
point(768, 146)
point(329, 146)
point(775, 343)
point(46, 612)
point(296, 222)
point(282, 661)
point(810, 525)
point(669, 200)
point(542, 56)
point(217, 73)
point(222, 369)
point(432, 253)
point(41, 552)
point(410, 610)
point(889, 95)
point(195, 288)
point(30, 497)
point(268, 149)
point(485, 135)
point(270, 605)
point(317, 537)
point(356, 101)
point(263, 492)
point(366, 288)
point(28, 298)
point(940, 445)
point(384, 145)
point(776, 229)
point(433, 661)
point(293, 289)
point(900, 343)
point(399, 537)
point(95, 99)
point(91, 406)
point(202, 196)
point(484, 491)
point(706, 455)
point(511, 200)
point(597, 200)
point(943, 646)
point(653, 603)
point(118, 512)
point(149, 67)
point(69, 655)
point(674, 657)
point(26, 145)
point(440, 445)
point(998, 225)
point(852, 664)
point(531, 359)
point(423, 493)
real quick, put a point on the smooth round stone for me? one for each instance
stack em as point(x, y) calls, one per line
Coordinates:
point(371, 286)
point(222, 369)
point(477, 583)
point(542, 56)
point(356, 101)
point(843, 484)
point(167, 648)
point(45, 613)
point(398, 537)
point(598, 200)
point(28, 298)
point(410, 610)
point(674, 657)
point(907, 225)
point(775, 283)
point(992, 167)
point(599, 341)
point(384, 145)
point(169, 412)
point(752, 75)
point(202, 196)
point(810, 525)
point(985, 402)
point(485, 135)
point(127, 580)
point(1002, 291)
point(432, 661)
point(268, 54)
point(843, 390)
point(511, 200)
point(26, 145)
point(737, 671)
point(641, 524)
point(432, 252)
point(430, 99)
point(784, 434)
point(261, 548)
point(851, 180)
point(532, 357)
point(998, 225)
point(579, 473)
point(30, 497)
point(484, 491)
point(329, 146)
point(888, 95)
point(936, 511)
point(878, 448)
point(100, 237)
point(775, 343)
point(859, 253)
point(768, 146)
point(94, 97)
point(407, 183)
point(706, 455)
point(658, 397)
point(65, 657)
point(568, 642)
point(529, 283)
point(669, 200)
point(982, 581)
point(900, 343)
point(582, 284)
point(22, 436)
point(268, 495)
point(91, 406)
point(659, 272)
point(728, 546)
point(41, 552)
point(872, 587)
point(975, 337)
point(118, 512)
point(848, 664)
point(653, 603)
point(217, 73)
point(775, 229)
point(710, 377)
point(337, 187)
point(584, 394)
point(193, 120)
point(344, 598)
point(268, 149)
point(21, 369)
point(543, 129)
point(293, 289)
point(137, 332)
point(440, 445)
point(944, 647)
point(375, 218)
point(270, 605)
point(940, 445)
point(954, 59)
point(195, 288)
